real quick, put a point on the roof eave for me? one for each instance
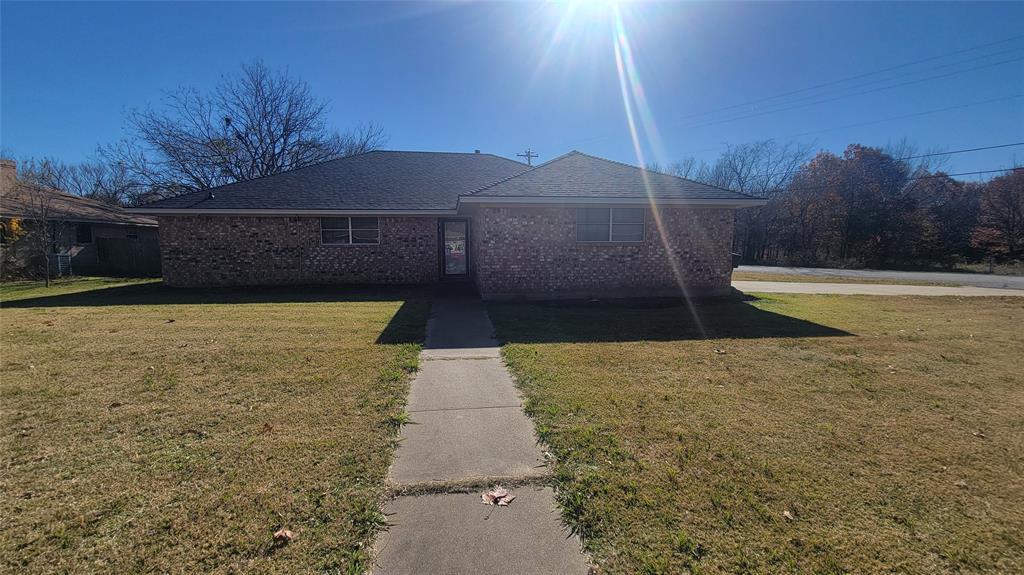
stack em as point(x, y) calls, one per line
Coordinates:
point(592, 200)
point(289, 212)
point(72, 219)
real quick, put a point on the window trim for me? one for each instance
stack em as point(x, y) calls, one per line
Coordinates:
point(348, 229)
point(611, 224)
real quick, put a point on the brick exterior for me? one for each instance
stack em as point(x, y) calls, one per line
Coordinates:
point(200, 251)
point(533, 252)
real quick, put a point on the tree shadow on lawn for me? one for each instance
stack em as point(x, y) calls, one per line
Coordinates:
point(408, 325)
point(646, 320)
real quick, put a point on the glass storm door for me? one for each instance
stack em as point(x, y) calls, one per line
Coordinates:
point(455, 255)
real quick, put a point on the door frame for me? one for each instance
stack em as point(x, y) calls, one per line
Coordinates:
point(441, 253)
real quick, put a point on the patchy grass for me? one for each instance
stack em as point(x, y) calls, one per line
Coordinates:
point(159, 430)
point(772, 277)
point(15, 290)
point(804, 434)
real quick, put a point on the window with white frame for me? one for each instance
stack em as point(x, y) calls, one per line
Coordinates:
point(610, 224)
point(346, 231)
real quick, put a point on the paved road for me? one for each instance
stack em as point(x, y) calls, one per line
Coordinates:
point(468, 431)
point(870, 289)
point(977, 280)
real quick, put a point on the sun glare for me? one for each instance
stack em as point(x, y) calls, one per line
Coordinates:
point(606, 17)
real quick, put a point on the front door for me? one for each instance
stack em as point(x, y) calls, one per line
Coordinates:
point(454, 249)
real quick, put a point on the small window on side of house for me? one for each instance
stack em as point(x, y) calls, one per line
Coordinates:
point(610, 225)
point(349, 230)
point(83, 234)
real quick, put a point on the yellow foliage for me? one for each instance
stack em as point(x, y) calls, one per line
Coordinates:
point(12, 229)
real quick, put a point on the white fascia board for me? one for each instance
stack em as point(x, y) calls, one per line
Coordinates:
point(548, 200)
point(286, 213)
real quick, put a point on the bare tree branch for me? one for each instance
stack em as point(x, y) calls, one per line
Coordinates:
point(254, 124)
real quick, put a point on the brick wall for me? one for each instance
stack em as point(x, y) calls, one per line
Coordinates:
point(533, 252)
point(238, 250)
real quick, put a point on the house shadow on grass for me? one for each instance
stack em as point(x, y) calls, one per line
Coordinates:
point(408, 325)
point(647, 320)
point(159, 294)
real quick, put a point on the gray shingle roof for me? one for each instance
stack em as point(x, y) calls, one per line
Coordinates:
point(578, 175)
point(379, 180)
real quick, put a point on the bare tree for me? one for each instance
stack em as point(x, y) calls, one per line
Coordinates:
point(107, 182)
point(761, 169)
point(46, 226)
point(254, 124)
point(691, 169)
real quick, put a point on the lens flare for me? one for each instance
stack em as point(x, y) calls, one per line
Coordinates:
point(634, 103)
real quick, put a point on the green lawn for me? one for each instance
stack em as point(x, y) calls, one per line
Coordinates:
point(16, 290)
point(150, 429)
point(796, 434)
point(780, 277)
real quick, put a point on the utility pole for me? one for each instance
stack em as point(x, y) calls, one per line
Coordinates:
point(529, 155)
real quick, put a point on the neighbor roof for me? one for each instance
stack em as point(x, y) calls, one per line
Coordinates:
point(378, 180)
point(21, 200)
point(577, 175)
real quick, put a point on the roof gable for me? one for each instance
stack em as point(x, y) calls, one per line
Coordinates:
point(579, 175)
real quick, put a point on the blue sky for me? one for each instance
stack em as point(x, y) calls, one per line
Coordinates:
point(500, 77)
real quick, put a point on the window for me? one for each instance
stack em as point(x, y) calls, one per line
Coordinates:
point(345, 231)
point(83, 234)
point(610, 224)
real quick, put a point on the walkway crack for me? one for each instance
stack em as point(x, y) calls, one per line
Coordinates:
point(518, 405)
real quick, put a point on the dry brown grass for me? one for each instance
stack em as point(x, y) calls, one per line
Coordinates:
point(898, 447)
point(148, 430)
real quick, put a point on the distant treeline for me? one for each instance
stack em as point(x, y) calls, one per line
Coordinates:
point(870, 207)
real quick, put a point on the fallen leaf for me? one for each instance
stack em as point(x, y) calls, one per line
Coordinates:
point(980, 434)
point(284, 535)
point(169, 321)
point(961, 484)
point(497, 496)
point(719, 351)
point(788, 515)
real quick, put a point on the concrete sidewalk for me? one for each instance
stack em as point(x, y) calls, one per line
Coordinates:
point(467, 432)
point(870, 289)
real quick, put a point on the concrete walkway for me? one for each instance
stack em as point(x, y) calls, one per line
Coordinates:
point(869, 289)
point(468, 432)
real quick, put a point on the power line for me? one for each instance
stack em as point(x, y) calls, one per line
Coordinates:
point(950, 152)
point(733, 119)
point(879, 121)
point(856, 77)
point(962, 151)
point(907, 180)
point(855, 124)
point(844, 92)
point(905, 116)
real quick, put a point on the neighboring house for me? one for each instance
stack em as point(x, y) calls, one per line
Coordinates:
point(88, 235)
point(576, 226)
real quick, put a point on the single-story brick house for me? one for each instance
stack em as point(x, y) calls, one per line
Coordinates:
point(90, 236)
point(576, 226)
